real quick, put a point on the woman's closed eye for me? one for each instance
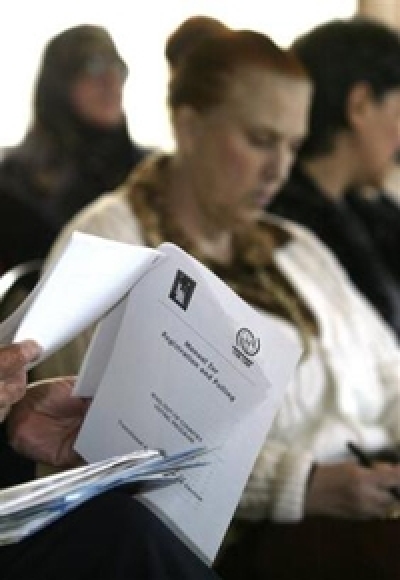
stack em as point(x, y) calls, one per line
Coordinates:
point(263, 140)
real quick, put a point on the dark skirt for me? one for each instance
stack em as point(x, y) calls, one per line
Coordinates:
point(314, 549)
point(112, 537)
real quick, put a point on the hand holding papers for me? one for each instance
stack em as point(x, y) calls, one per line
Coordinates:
point(179, 362)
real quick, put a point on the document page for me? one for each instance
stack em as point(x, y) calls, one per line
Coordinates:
point(192, 365)
point(91, 275)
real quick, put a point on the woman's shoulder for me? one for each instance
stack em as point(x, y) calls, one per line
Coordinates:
point(298, 236)
point(104, 210)
point(109, 216)
point(289, 234)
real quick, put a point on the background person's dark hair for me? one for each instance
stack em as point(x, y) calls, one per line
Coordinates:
point(338, 55)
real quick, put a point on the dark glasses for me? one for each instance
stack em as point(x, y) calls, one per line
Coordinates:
point(99, 64)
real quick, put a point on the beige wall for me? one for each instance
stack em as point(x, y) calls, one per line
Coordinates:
point(386, 10)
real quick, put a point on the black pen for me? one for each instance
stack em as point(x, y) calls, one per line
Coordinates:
point(365, 461)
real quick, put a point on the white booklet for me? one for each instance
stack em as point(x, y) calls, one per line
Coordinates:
point(178, 362)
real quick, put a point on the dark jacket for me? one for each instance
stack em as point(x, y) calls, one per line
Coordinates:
point(41, 187)
point(345, 233)
point(14, 468)
point(63, 162)
point(380, 215)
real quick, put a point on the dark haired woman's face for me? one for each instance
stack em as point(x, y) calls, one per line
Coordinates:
point(96, 95)
point(377, 137)
point(242, 150)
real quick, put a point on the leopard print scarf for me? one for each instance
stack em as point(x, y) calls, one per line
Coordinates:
point(252, 273)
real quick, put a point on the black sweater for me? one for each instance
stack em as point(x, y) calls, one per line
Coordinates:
point(340, 226)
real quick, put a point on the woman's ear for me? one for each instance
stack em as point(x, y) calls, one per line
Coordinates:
point(186, 126)
point(359, 102)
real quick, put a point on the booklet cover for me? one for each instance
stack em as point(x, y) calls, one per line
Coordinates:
point(190, 364)
point(178, 362)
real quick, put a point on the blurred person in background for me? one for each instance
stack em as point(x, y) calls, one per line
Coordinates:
point(351, 145)
point(77, 146)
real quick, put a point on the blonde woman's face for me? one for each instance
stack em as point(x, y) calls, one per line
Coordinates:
point(242, 150)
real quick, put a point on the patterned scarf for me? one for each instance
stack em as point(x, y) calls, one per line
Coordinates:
point(252, 273)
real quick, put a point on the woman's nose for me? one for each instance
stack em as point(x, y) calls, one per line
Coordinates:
point(277, 165)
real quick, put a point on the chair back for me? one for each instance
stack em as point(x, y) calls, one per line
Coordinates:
point(16, 283)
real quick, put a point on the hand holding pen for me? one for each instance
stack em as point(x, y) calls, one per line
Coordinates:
point(365, 461)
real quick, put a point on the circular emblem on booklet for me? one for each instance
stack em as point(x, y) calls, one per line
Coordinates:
point(246, 340)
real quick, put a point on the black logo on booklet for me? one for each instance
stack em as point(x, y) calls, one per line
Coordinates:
point(182, 289)
point(247, 345)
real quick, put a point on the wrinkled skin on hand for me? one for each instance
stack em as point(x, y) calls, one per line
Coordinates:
point(13, 361)
point(348, 490)
point(44, 424)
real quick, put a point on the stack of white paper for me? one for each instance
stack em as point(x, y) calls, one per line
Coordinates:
point(28, 507)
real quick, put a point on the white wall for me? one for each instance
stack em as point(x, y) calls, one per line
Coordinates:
point(25, 26)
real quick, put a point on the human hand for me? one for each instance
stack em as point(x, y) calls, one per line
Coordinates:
point(348, 490)
point(13, 360)
point(44, 424)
